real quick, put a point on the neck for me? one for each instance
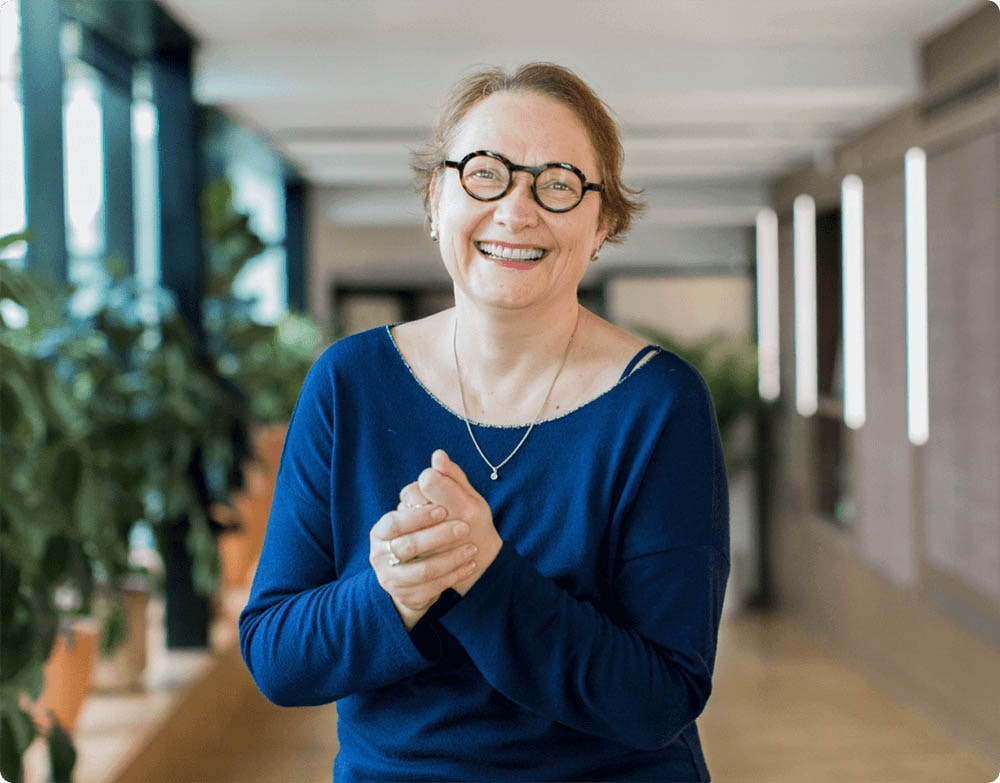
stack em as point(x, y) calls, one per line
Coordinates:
point(494, 345)
point(509, 362)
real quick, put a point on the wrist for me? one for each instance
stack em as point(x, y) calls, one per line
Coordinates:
point(410, 616)
point(484, 561)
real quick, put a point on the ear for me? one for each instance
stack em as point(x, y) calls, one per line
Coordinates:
point(600, 236)
point(432, 201)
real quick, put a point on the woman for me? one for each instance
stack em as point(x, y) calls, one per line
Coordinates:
point(499, 538)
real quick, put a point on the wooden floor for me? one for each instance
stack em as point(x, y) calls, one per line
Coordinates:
point(783, 711)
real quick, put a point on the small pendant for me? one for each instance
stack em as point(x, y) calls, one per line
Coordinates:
point(494, 475)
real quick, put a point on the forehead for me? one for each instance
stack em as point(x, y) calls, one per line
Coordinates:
point(528, 128)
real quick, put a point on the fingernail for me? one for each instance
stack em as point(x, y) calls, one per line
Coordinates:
point(470, 566)
point(460, 529)
point(469, 551)
point(439, 514)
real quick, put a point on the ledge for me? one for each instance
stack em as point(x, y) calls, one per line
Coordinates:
point(187, 699)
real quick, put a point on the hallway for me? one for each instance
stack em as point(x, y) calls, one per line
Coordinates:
point(784, 711)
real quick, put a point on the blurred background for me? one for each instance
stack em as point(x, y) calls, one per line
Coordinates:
point(197, 196)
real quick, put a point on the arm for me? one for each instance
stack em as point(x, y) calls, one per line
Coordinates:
point(310, 635)
point(638, 670)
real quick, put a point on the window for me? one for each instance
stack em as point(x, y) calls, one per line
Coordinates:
point(260, 194)
point(84, 182)
point(12, 206)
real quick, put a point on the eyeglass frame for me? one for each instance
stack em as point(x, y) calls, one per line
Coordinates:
point(512, 168)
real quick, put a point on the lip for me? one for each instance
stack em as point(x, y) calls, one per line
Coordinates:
point(510, 263)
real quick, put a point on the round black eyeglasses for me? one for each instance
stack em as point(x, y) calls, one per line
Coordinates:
point(488, 176)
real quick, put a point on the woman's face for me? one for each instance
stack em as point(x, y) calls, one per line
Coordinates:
point(512, 253)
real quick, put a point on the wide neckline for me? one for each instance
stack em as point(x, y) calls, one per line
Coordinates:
point(547, 420)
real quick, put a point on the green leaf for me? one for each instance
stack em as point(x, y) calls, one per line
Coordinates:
point(203, 548)
point(17, 730)
point(62, 754)
point(9, 239)
point(115, 625)
point(19, 649)
point(64, 479)
point(20, 413)
point(55, 560)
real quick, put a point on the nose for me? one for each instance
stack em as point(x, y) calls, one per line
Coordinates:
point(517, 209)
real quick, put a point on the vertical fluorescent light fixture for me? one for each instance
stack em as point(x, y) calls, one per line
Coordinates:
point(917, 420)
point(806, 383)
point(768, 328)
point(145, 175)
point(852, 220)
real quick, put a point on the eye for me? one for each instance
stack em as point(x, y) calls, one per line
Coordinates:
point(558, 181)
point(485, 169)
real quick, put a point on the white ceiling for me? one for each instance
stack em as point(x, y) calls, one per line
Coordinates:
point(716, 97)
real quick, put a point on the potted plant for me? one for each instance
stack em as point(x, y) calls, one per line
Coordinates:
point(267, 362)
point(108, 417)
point(43, 548)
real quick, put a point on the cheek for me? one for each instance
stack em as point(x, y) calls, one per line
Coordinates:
point(456, 215)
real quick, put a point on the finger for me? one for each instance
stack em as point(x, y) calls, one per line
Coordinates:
point(460, 573)
point(443, 464)
point(410, 496)
point(443, 490)
point(399, 522)
point(415, 581)
point(419, 598)
point(429, 541)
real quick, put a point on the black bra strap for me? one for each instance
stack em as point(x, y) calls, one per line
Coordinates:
point(637, 360)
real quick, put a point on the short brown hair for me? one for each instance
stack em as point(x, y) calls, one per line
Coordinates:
point(619, 204)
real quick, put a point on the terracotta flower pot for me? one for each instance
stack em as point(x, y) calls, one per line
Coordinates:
point(268, 441)
point(124, 668)
point(236, 553)
point(68, 675)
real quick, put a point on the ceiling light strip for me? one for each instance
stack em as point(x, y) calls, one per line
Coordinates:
point(853, 253)
point(918, 419)
point(768, 325)
point(804, 241)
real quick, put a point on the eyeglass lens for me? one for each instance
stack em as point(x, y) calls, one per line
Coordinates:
point(555, 188)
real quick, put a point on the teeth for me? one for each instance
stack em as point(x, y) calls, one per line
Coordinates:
point(510, 253)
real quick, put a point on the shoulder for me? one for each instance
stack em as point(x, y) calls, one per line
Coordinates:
point(618, 354)
point(371, 345)
point(674, 372)
point(351, 360)
point(679, 380)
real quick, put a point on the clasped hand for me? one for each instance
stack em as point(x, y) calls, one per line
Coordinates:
point(440, 536)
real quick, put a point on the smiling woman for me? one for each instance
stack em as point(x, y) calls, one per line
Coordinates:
point(499, 538)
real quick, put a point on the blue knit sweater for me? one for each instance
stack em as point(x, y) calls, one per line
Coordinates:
point(584, 652)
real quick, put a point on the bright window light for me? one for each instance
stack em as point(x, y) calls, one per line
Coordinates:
point(12, 203)
point(918, 425)
point(768, 329)
point(145, 178)
point(852, 217)
point(84, 163)
point(806, 383)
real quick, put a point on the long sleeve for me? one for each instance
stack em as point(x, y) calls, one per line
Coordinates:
point(313, 632)
point(638, 670)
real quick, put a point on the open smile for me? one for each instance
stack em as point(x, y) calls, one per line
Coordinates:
point(505, 254)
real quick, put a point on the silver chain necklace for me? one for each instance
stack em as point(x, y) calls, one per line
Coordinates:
point(495, 474)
